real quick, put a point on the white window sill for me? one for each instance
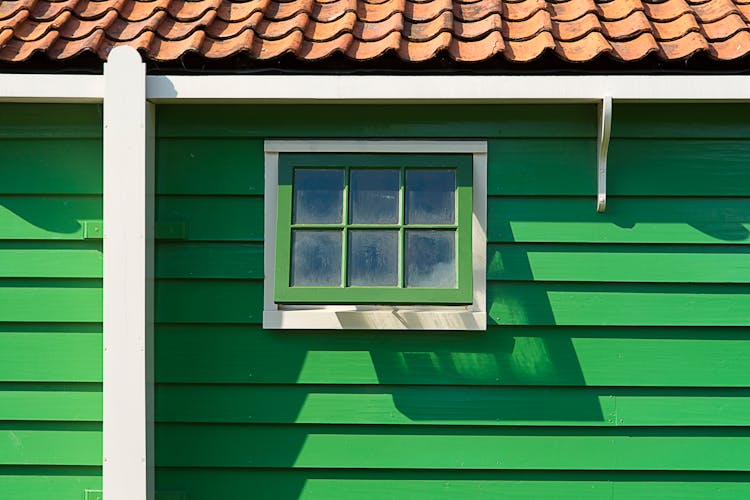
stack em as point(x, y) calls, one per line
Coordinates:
point(386, 318)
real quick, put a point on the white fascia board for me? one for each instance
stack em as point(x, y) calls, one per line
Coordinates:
point(51, 88)
point(446, 88)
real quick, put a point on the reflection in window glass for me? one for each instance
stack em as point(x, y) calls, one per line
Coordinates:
point(430, 196)
point(316, 258)
point(374, 196)
point(430, 259)
point(318, 196)
point(373, 258)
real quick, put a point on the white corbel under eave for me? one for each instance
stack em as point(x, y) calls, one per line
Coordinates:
point(602, 145)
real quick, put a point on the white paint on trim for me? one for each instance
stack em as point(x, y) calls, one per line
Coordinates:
point(51, 88)
point(602, 146)
point(446, 88)
point(401, 317)
point(375, 146)
point(128, 266)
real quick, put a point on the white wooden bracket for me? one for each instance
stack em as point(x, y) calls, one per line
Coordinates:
point(128, 146)
point(602, 145)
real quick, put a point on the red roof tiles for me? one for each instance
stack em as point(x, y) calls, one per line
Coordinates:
point(416, 30)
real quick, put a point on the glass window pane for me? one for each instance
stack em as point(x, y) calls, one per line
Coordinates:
point(373, 258)
point(374, 196)
point(318, 196)
point(430, 259)
point(430, 196)
point(316, 258)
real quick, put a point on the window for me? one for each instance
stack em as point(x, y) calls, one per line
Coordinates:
point(373, 228)
point(375, 234)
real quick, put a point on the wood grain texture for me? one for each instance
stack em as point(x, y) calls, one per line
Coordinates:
point(450, 405)
point(209, 166)
point(626, 304)
point(321, 484)
point(51, 166)
point(50, 443)
point(508, 303)
point(627, 220)
point(214, 218)
point(623, 342)
point(618, 263)
point(678, 167)
point(376, 120)
point(549, 356)
point(71, 121)
point(678, 120)
point(222, 445)
point(54, 353)
point(51, 259)
point(50, 300)
point(45, 482)
point(47, 217)
point(209, 260)
point(52, 402)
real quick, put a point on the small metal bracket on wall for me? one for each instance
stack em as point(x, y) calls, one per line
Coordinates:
point(602, 145)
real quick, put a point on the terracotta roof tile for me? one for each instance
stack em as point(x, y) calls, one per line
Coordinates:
point(415, 30)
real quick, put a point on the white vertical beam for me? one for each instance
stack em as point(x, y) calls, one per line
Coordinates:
point(128, 264)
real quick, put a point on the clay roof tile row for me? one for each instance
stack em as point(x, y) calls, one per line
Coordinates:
point(416, 30)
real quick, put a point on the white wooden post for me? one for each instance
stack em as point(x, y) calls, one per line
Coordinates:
point(128, 279)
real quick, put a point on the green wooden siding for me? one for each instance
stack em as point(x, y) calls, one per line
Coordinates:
point(50, 301)
point(616, 360)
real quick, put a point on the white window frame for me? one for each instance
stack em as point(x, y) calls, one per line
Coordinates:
point(380, 317)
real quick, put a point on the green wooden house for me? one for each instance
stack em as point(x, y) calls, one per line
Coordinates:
point(359, 277)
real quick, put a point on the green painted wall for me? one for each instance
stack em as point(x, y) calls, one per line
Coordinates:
point(617, 360)
point(50, 301)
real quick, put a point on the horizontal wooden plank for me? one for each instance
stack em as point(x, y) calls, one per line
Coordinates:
point(56, 166)
point(230, 218)
point(451, 405)
point(209, 260)
point(60, 300)
point(674, 167)
point(54, 402)
point(47, 217)
point(514, 303)
point(508, 303)
point(321, 484)
point(554, 356)
point(50, 443)
point(627, 220)
point(541, 167)
point(44, 483)
point(429, 447)
point(220, 301)
point(693, 120)
point(50, 353)
point(209, 166)
point(377, 120)
point(619, 263)
point(383, 405)
point(51, 259)
point(50, 120)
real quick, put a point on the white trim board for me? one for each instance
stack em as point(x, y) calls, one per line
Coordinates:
point(16, 87)
point(401, 317)
point(446, 88)
point(128, 171)
point(51, 88)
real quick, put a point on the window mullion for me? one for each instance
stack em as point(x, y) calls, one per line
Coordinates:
point(401, 222)
point(345, 230)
